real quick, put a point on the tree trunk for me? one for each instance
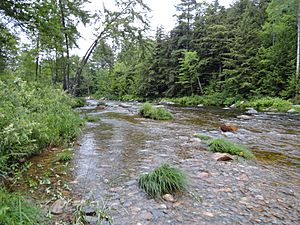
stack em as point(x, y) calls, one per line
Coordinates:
point(66, 66)
point(37, 59)
point(298, 54)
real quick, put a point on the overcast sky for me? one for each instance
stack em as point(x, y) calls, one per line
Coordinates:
point(162, 14)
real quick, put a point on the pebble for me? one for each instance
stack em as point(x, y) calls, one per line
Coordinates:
point(57, 207)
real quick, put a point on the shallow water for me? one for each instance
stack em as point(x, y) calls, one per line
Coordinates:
point(116, 150)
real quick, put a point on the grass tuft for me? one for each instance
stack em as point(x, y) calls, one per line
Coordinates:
point(64, 156)
point(165, 179)
point(148, 111)
point(15, 209)
point(226, 146)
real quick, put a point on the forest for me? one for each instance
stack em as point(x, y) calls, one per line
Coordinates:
point(246, 51)
point(246, 55)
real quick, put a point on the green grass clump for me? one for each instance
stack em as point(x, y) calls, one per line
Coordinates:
point(203, 137)
point(101, 103)
point(165, 179)
point(148, 111)
point(64, 156)
point(91, 119)
point(15, 209)
point(226, 146)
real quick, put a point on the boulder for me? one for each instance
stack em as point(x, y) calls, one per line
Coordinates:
point(57, 207)
point(229, 127)
point(222, 156)
point(251, 111)
point(200, 105)
point(233, 106)
point(123, 105)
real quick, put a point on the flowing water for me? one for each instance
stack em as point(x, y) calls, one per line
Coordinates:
point(116, 150)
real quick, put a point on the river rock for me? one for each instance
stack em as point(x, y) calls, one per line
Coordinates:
point(200, 105)
point(222, 156)
point(251, 111)
point(226, 108)
point(168, 198)
point(229, 127)
point(244, 117)
point(57, 207)
point(89, 211)
point(123, 105)
point(292, 111)
point(166, 103)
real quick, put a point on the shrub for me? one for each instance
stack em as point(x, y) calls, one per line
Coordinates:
point(226, 146)
point(64, 156)
point(165, 179)
point(32, 117)
point(148, 111)
point(15, 209)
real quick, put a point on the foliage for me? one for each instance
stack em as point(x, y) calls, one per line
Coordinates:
point(33, 117)
point(226, 146)
point(267, 102)
point(165, 179)
point(149, 111)
point(79, 102)
point(15, 209)
point(65, 155)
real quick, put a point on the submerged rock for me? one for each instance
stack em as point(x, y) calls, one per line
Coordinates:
point(229, 127)
point(123, 105)
point(57, 207)
point(222, 156)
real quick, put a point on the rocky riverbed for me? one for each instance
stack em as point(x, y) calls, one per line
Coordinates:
point(113, 152)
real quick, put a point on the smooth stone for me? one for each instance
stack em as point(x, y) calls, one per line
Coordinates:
point(229, 127)
point(222, 156)
point(123, 105)
point(233, 106)
point(251, 111)
point(292, 111)
point(89, 211)
point(57, 207)
point(200, 105)
point(168, 198)
point(208, 214)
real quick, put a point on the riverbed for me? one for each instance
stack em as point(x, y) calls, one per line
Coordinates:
point(113, 152)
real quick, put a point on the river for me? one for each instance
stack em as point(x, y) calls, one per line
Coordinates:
point(113, 152)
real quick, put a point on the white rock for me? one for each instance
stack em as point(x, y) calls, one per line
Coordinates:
point(168, 198)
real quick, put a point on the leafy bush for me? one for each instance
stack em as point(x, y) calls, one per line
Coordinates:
point(267, 102)
point(165, 179)
point(226, 146)
point(148, 111)
point(64, 156)
point(14, 209)
point(33, 117)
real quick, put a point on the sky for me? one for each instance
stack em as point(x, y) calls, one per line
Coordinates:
point(162, 14)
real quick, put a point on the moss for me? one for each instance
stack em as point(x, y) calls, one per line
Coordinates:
point(65, 155)
point(226, 146)
point(165, 179)
point(91, 119)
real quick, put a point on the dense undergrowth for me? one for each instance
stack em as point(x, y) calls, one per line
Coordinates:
point(33, 117)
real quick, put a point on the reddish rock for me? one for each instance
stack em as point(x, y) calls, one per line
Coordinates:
point(222, 157)
point(229, 127)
